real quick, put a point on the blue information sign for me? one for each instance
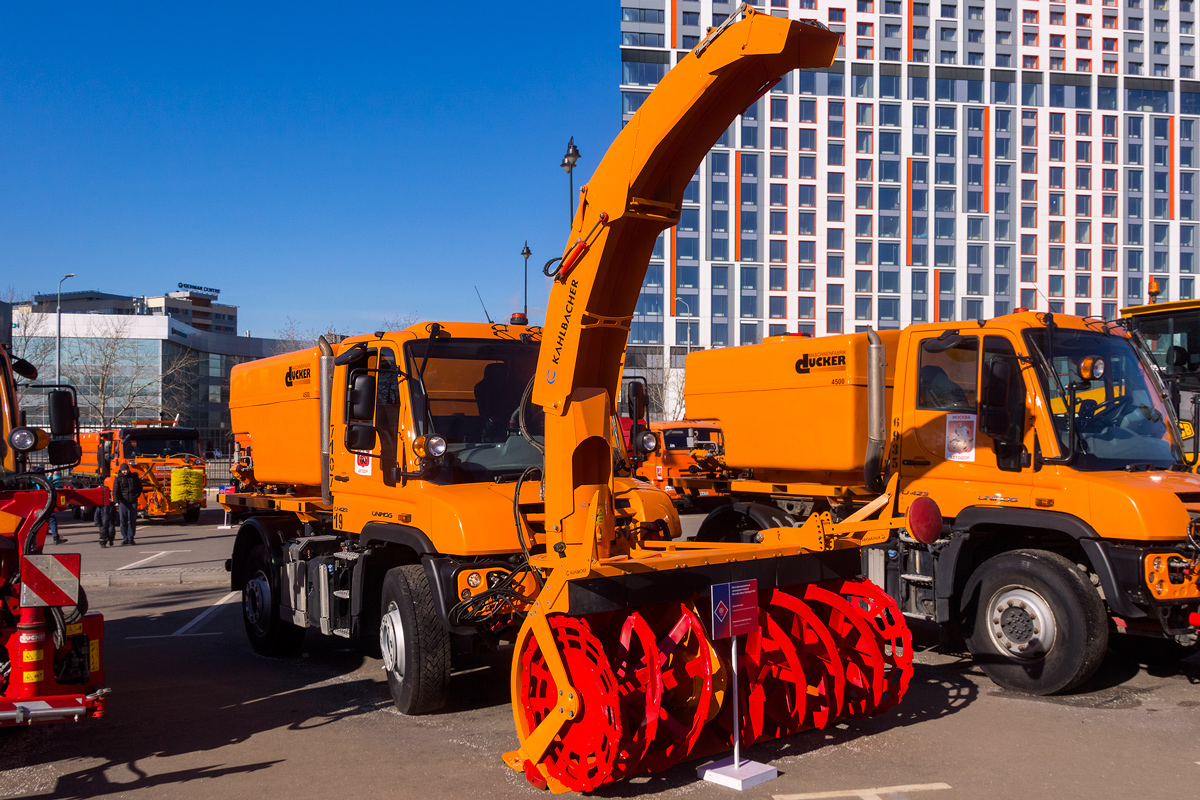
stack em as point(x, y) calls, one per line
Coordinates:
point(734, 608)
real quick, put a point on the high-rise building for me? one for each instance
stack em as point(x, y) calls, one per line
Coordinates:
point(958, 160)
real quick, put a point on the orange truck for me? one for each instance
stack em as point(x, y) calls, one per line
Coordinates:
point(682, 447)
point(166, 457)
point(1048, 442)
point(51, 646)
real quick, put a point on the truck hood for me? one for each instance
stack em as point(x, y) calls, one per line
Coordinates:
point(1148, 506)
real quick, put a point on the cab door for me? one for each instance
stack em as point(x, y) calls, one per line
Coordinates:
point(946, 451)
point(365, 449)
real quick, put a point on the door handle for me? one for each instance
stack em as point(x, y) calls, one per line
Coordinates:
point(915, 462)
point(341, 478)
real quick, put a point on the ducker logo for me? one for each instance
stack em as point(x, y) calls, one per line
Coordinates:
point(820, 361)
point(297, 375)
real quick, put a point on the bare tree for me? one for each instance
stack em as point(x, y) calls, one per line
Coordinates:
point(293, 336)
point(399, 322)
point(32, 336)
point(120, 378)
point(664, 381)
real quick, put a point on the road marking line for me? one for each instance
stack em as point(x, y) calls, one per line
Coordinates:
point(865, 794)
point(174, 635)
point(150, 558)
point(206, 613)
point(196, 622)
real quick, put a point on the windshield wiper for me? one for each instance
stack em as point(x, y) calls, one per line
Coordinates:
point(1141, 467)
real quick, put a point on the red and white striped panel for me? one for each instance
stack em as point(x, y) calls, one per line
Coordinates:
point(50, 580)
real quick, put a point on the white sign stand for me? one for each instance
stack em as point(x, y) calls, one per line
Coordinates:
point(733, 771)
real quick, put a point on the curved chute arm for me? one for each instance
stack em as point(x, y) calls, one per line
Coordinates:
point(638, 188)
point(635, 194)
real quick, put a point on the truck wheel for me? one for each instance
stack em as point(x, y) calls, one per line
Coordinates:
point(76, 512)
point(191, 516)
point(89, 513)
point(1039, 625)
point(415, 646)
point(728, 524)
point(269, 634)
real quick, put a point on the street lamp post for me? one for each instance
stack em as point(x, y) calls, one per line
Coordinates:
point(58, 330)
point(687, 344)
point(526, 252)
point(568, 163)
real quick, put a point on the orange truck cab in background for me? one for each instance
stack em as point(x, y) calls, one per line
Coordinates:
point(1050, 446)
point(154, 450)
point(683, 448)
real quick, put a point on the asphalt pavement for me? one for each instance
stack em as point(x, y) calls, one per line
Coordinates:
point(195, 714)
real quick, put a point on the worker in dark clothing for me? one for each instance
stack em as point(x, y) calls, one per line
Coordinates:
point(127, 488)
point(106, 520)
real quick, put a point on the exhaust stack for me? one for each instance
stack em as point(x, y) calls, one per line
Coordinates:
point(325, 377)
point(876, 413)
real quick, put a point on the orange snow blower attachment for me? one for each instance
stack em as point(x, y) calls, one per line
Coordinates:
point(615, 671)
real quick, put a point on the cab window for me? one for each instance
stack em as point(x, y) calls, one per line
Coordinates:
point(947, 379)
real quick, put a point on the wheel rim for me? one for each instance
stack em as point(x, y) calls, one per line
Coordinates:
point(255, 598)
point(391, 641)
point(1021, 622)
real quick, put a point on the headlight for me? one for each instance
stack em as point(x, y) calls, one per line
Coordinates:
point(26, 439)
point(1092, 368)
point(429, 446)
point(647, 442)
point(474, 579)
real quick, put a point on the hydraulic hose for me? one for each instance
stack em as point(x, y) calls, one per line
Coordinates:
point(43, 516)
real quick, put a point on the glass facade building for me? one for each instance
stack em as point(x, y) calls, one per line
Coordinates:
point(959, 160)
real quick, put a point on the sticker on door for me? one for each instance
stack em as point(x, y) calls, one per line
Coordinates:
point(960, 437)
point(362, 464)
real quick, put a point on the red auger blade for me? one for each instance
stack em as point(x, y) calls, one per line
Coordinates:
point(582, 755)
point(858, 644)
point(884, 616)
point(822, 665)
point(640, 686)
point(685, 656)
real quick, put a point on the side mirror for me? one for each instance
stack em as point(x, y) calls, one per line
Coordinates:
point(360, 437)
point(1177, 356)
point(63, 451)
point(63, 412)
point(638, 401)
point(24, 368)
point(994, 417)
point(361, 399)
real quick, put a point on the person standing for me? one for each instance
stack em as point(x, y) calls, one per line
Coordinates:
point(106, 517)
point(127, 488)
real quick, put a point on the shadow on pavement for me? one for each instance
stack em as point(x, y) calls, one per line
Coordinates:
point(162, 706)
point(934, 692)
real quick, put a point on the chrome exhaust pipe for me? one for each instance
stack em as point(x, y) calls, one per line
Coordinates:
point(325, 378)
point(876, 413)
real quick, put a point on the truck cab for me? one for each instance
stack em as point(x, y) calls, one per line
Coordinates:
point(1050, 446)
point(379, 485)
point(675, 443)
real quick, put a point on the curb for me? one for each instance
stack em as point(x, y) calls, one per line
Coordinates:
point(148, 577)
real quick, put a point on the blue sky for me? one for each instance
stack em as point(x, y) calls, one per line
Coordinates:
point(335, 164)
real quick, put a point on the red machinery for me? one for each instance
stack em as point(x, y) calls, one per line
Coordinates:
point(51, 648)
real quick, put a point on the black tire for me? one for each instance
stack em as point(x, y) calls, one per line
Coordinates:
point(76, 512)
point(89, 513)
point(415, 645)
point(1036, 624)
point(269, 635)
point(191, 516)
point(736, 522)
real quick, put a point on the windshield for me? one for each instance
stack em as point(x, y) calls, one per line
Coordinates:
point(151, 446)
point(473, 390)
point(686, 439)
point(1120, 417)
point(1174, 342)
